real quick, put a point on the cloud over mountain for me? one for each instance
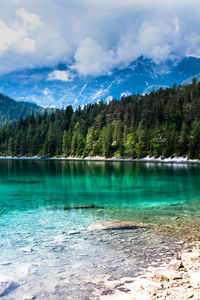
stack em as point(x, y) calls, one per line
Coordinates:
point(95, 36)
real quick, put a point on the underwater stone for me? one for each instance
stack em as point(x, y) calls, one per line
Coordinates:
point(115, 224)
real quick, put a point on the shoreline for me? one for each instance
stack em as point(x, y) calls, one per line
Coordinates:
point(180, 280)
point(177, 279)
point(147, 159)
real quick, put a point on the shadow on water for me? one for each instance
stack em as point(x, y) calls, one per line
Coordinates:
point(21, 181)
point(11, 287)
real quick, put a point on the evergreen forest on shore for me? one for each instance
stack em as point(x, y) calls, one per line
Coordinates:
point(11, 110)
point(163, 123)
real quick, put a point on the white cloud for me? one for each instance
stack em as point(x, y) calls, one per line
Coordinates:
point(91, 58)
point(16, 36)
point(15, 40)
point(95, 36)
point(30, 20)
point(176, 23)
point(60, 75)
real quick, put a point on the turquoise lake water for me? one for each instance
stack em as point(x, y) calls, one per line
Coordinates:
point(47, 251)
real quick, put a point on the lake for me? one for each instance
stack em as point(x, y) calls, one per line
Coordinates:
point(46, 206)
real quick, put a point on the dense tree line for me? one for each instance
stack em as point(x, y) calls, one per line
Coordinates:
point(11, 110)
point(165, 122)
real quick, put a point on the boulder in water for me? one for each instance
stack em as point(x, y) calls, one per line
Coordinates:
point(115, 224)
point(89, 206)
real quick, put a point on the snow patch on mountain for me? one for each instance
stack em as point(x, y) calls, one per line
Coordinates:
point(60, 86)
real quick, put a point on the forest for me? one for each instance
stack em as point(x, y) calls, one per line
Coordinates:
point(163, 123)
point(11, 110)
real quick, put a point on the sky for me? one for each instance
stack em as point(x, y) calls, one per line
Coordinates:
point(94, 36)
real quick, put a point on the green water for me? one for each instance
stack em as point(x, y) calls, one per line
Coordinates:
point(44, 239)
point(29, 184)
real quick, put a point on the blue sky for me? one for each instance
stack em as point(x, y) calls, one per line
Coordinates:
point(94, 36)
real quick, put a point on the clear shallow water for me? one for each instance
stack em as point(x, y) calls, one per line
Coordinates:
point(46, 250)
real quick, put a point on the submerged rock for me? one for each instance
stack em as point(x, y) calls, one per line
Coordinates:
point(69, 207)
point(115, 224)
point(82, 207)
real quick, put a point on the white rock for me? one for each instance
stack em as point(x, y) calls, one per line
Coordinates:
point(195, 279)
point(114, 224)
point(141, 289)
point(27, 250)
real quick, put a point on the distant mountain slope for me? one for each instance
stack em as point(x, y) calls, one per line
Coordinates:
point(11, 111)
point(189, 80)
point(60, 86)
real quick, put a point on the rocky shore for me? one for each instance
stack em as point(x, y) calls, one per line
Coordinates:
point(178, 280)
point(124, 260)
point(146, 159)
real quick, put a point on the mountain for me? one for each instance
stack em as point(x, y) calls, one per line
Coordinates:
point(60, 86)
point(190, 79)
point(11, 110)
